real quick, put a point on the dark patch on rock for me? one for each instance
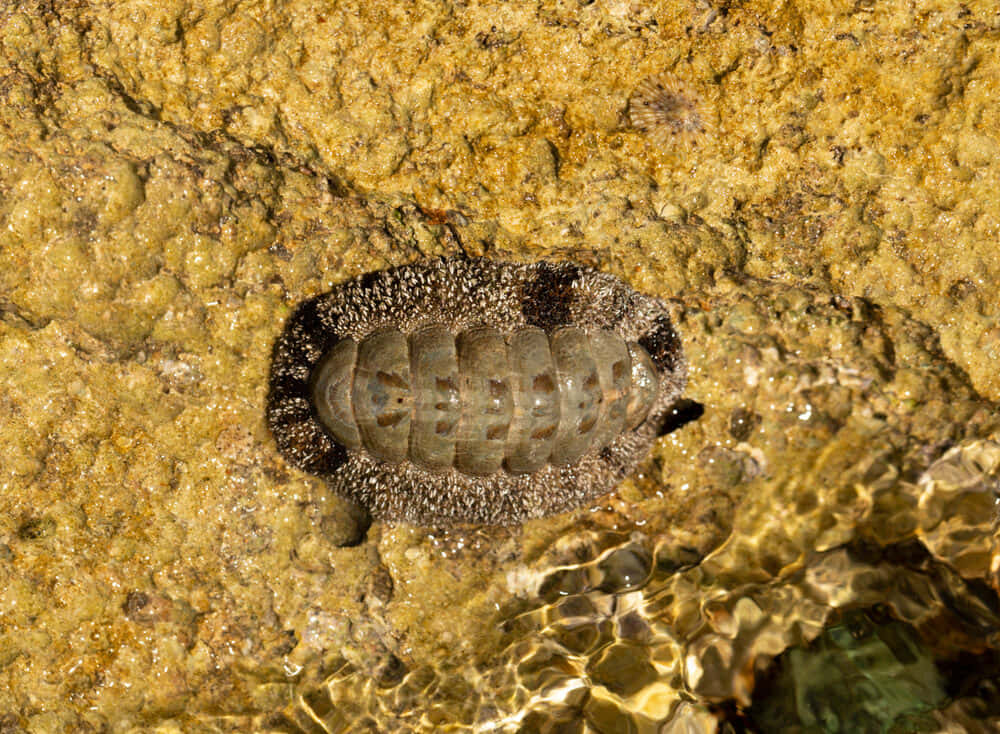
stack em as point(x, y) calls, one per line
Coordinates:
point(683, 412)
point(36, 527)
point(742, 423)
point(135, 602)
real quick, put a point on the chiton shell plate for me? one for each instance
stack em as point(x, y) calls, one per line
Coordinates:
point(471, 390)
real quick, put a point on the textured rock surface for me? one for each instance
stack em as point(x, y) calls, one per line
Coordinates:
point(175, 176)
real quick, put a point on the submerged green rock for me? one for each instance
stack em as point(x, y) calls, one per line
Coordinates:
point(865, 674)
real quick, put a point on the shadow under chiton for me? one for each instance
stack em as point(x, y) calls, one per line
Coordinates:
point(468, 390)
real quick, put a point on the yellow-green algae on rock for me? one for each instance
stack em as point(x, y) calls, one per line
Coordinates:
point(175, 176)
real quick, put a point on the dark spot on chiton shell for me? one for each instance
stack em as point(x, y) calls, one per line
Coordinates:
point(468, 390)
point(663, 344)
point(548, 295)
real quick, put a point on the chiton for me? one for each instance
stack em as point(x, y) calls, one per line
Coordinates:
point(471, 390)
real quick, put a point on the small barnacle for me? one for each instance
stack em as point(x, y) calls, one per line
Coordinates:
point(662, 106)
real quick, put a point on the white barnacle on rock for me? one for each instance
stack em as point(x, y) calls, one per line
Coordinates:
point(667, 110)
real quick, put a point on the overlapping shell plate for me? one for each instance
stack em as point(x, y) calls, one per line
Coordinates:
point(466, 390)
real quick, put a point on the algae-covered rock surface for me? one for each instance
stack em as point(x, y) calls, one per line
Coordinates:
point(813, 188)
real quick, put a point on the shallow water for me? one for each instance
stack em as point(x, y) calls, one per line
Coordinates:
point(860, 637)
